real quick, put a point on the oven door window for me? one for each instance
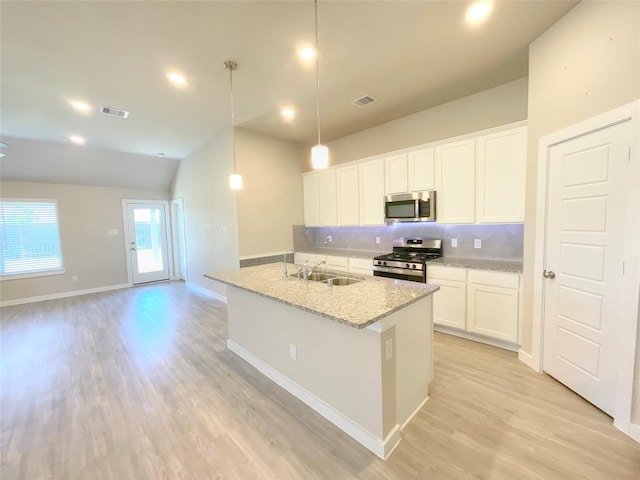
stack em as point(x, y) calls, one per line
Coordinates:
point(403, 209)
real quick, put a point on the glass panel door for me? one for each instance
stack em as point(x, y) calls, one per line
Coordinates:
point(148, 242)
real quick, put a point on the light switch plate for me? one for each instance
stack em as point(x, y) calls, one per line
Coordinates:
point(454, 243)
point(477, 243)
point(112, 231)
point(377, 240)
point(293, 351)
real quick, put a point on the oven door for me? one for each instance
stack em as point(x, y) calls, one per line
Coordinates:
point(399, 274)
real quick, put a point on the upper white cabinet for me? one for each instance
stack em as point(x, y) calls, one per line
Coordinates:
point(455, 181)
point(500, 176)
point(320, 201)
point(395, 174)
point(327, 200)
point(371, 181)
point(348, 198)
point(311, 199)
point(420, 169)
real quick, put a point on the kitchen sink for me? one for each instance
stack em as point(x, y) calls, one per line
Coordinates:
point(341, 281)
point(318, 276)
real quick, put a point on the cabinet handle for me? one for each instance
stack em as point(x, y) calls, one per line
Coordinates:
point(549, 274)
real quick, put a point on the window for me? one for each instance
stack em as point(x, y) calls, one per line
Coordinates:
point(29, 237)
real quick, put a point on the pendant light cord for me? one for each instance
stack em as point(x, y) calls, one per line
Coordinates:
point(231, 66)
point(315, 3)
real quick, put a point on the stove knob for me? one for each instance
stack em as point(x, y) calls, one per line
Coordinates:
point(384, 263)
point(407, 265)
point(413, 266)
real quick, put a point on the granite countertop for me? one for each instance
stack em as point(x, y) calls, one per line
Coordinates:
point(357, 305)
point(478, 264)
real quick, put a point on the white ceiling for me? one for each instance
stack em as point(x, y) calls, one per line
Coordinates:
point(410, 55)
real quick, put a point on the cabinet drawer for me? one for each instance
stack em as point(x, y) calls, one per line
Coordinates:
point(365, 264)
point(337, 263)
point(494, 279)
point(447, 273)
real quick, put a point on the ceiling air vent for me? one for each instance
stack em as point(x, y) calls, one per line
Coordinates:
point(114, 112)
point(362, 101)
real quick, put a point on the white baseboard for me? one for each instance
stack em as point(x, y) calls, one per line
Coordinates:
point(415, 412)
point(630, 429)
point(206, 292)
point(54, 296)
point(528, 360)
point(382, 448)
point(494, 342)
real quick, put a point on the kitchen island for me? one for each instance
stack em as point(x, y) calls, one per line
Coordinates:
point(359, 354)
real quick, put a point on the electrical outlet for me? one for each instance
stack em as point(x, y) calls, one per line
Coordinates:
point(388, 349)
point(377, 240)
point(477, 243)
point(293, 351)
point(329, 239)
point(74, 278)
point(454, 243)
point(222, 230)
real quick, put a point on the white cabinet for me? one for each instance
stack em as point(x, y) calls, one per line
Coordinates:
point(371, 191)
point(348, 201)
point(483, 303)
point(420, 169)
point(492, 304)
point(340, 264)
point(312, 258)
point(500, 170)
point(395, 174)
point(311, 199)
point(363, 266)
point(327, 204)
point(455, 180)
point(449, 302)
point(320, 201)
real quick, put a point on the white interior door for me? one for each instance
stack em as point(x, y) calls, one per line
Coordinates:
point(584, 262)
point(147, 242)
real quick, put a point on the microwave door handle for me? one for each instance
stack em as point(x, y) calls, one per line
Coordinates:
point(416, 208)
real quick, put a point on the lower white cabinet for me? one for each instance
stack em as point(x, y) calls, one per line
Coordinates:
point(449, 302)
point(363, 266)
point(492, 304)
point(340, 264)
point(477, 301)
point(312, 258)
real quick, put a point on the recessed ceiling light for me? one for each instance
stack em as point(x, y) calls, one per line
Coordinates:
point(80, 106)
point(307, 53)
point(177, 78)
point(479, 11)
point(160, 154)
point(78, 140)
point(287, 112)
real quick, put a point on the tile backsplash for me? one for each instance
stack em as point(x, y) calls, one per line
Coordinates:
point(499, 242)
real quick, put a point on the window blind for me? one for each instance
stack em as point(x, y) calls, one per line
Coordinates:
point(29, 237)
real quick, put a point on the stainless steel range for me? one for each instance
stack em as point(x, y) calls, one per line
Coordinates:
point(409, 259)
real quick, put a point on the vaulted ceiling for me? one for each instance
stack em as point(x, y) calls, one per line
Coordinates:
point(408, 55)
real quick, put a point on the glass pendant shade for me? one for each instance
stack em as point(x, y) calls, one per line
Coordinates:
point(235, 181)
point(320, 157)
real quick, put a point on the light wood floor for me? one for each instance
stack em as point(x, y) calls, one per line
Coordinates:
point(138, 384)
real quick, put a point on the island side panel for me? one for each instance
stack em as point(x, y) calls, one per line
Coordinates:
point(414, 362)
point(338, 364)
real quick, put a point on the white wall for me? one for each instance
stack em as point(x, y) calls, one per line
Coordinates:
point(270, 202)
point(497, 106)
point(211, 229)
point(586, 64)
point(85, 214)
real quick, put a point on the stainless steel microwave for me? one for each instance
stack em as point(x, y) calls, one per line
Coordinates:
point(410, 207)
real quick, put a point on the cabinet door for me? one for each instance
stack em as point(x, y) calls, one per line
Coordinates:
point(311, 203)
point(363, 266)
point(493, 311)
point(449, 303)
point(501, 164)
point(327, 197)
point(421, 170)
point(455, 175)
point(348, 202)
point(395, 174)
point(371, 180)
point(340, 264)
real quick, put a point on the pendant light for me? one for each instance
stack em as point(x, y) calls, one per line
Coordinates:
point(319, 153)
point(235, 179)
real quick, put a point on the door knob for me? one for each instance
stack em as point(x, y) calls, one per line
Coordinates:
point(549, 274)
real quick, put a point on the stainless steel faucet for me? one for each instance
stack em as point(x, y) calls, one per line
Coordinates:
point(285, 273)
point(316, 266)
